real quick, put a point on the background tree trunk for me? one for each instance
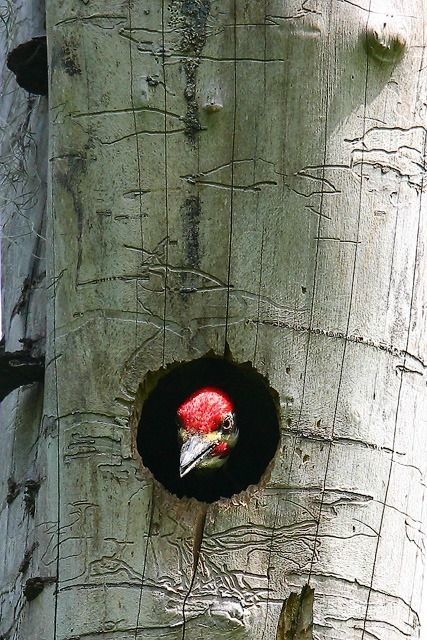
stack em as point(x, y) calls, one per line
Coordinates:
point(24, 121)
point(225, 176)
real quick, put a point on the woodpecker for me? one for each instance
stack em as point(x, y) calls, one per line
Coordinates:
point(207, 430)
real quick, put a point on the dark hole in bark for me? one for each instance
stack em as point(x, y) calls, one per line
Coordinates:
point(256, 416)
point(30, 494)
point(33, 587)
point(28, 61)
point(17, 369)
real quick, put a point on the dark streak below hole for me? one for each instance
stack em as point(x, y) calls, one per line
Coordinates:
point(191, 211)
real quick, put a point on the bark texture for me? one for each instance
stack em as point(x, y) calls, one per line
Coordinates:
point(249, 177)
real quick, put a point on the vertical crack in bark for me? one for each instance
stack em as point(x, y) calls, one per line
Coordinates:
point(149, 532)
point(296, 617)
point(199, 530)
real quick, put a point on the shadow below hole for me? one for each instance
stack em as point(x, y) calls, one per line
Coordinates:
point(256, 416)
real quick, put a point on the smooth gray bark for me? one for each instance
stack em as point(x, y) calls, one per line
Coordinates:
point(239, 175)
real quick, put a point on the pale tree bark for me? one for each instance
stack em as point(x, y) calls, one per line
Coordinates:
point(225, 177)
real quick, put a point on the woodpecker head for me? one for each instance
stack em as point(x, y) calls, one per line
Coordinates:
point(207, 430)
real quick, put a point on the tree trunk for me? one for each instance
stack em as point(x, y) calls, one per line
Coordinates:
point(24, 120)
point(237, 179)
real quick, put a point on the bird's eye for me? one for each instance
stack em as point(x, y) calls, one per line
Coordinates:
point(227, 423)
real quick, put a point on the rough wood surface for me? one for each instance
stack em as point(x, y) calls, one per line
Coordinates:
point(245, 175)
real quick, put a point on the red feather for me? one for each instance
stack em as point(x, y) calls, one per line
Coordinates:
point(205, 410)
point(221, 449)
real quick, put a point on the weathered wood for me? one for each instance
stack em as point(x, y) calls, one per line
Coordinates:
point(240, 177)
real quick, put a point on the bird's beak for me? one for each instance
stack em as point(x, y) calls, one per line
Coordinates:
point(192, 452)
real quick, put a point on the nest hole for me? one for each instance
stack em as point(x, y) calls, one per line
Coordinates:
point(28, 61)
point(256, 414)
